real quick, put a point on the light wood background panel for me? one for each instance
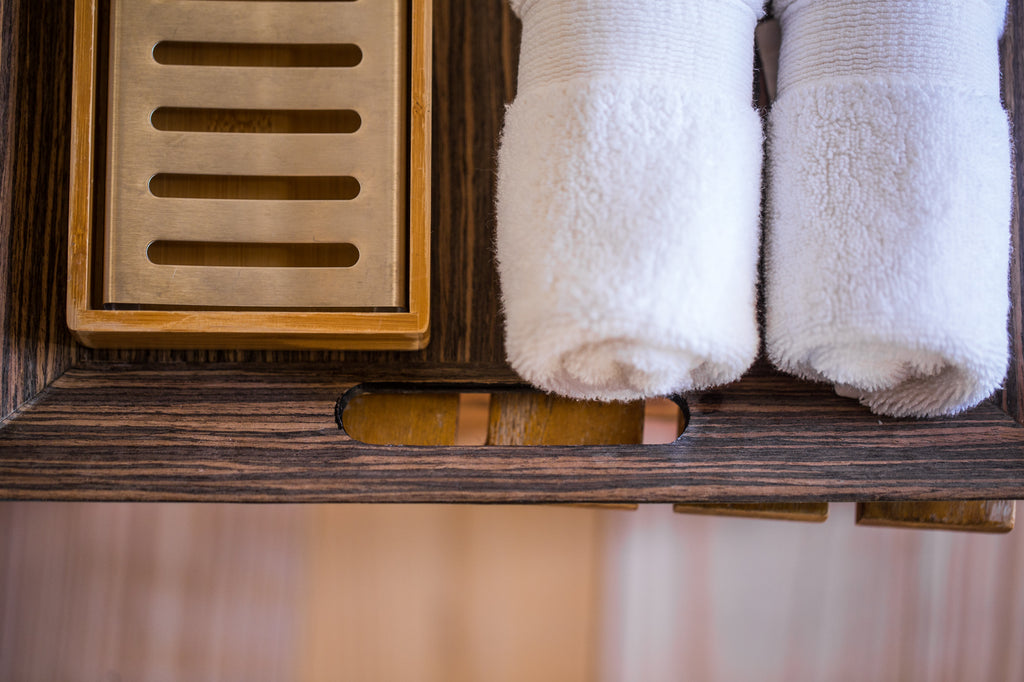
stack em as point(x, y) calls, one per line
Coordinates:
point(149, 592)
point(221, 592)
point(713, 598)
point(356, 592)
point(451, 593)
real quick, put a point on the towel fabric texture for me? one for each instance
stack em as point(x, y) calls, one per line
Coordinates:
point(889, 202)
point(628, 197)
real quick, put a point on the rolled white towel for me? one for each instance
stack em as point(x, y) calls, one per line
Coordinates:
point(628, 197)
point(889, 202)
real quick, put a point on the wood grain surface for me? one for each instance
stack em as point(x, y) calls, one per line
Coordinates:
point(259, 425)
point(1013, 97)
point(35, 87)
point(271, 435)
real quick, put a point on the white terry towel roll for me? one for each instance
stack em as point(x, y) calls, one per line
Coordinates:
point(889, 202)
point(628, 197)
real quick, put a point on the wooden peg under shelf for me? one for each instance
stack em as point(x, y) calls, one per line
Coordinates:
point(979, 516)
point(814, 512)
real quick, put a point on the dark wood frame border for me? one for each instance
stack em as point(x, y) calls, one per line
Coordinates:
point(81, 424)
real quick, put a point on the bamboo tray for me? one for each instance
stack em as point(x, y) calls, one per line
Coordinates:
point(185, 231)
point(248, 425)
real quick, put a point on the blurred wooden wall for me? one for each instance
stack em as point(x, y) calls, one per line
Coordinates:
point(220, 592)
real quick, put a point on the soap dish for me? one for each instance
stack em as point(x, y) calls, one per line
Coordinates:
point(250, 175)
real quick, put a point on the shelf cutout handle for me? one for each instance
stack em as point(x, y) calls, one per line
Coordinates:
point(474, 416)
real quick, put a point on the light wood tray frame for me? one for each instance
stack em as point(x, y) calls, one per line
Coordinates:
point(240, 329)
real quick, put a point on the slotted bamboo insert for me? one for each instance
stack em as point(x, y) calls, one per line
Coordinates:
point(262, 174)
point(231, 188)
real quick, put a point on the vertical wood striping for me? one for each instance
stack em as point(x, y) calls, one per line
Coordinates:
point(8, 84)
point(36, 65)
point(1013, 87)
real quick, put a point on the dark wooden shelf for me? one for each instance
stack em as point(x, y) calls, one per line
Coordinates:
point(260, 426)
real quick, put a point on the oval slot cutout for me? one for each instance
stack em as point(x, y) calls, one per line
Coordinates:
point(437, 416)
point(253, 255)
point(291, 55)
point(290, 121)
point(254, 187)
